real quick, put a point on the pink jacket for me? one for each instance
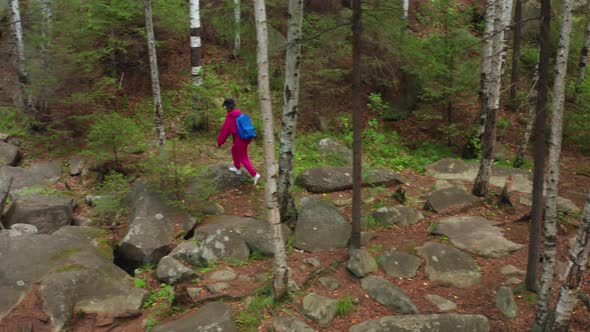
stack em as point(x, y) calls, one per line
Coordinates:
point(230, 127)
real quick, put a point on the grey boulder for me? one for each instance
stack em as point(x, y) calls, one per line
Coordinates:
point(171, 271)
point(335, 150)
point(47, 213)
point(361, 263)
point(505, 302)
point(320, 309)
point(224, 244)
point(37, 175)
point(330, 179)
point(212, 317)
point(388, 294)
point(425, 323)
point(449, 265)
point(397, 215)
point(399, 264)
point(320, 226)
point(9, 154)
point(444, 200)
point(290, 324)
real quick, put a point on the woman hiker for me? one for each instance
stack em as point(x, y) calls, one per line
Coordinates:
point(239, 148)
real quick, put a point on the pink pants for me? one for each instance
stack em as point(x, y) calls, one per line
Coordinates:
point(239, 152)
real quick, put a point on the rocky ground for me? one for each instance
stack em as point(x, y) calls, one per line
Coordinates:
point(441, 261)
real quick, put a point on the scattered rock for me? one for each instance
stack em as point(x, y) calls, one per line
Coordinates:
point(512, 281)
point(189, 252)
point(399, 264)
point(442, 184)
point(511, 269)
point(76, 164)
point(172, 271)
point(397, 215)
point(457, 169)
point(47, 213)
point(476, 235)
point(223, 275)
point(449, 266)
point(334, 149)
point(319, 308)
point(75, 271)
point(37, 176)
point(329, 283)
point(425, 323)
point(388, 294)
point(225, 243)
point(290, 324)
point(505, 302)
point(214, 316)
point(216, 288)
point(194, 292)
point(20, 229)
point(330, 179)
point(564, 205)
point(153, 226)
point(312, 261)
point(223, 179)
point(443, 200)
point(9, 154)
point(361, 263)
point(442, 304)
point(320, 227)
point(245, 278)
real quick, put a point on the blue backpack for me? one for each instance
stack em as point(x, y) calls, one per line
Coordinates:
point(245, 127)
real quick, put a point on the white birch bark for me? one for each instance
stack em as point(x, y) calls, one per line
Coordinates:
point(550, 220)
point(151, 43)
point(574, 273)
point(406, 8)
point(486, 64)
point(237, 19)
point(584, 53)
point(506, 30)
point(290, 110)
point(482, 181)
point(195, 36)
point(281, 271)
point(25, 97)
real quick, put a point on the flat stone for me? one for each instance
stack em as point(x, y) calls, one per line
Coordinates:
point(564, 205)
point(425, 323)
point(320, 309)
point(36, 176)
point(449, 266)
point(212, 317)
point(329, 283)
point(442, 304)
point(312, 261)
point(397, 215)
point(361, 263)
point(512, 281)
point(320, 227)
point(245, 278)
point(47, 213)
point(399, 264)
point(194, 292)
point(511, 269)
point(442, 184)
point(444, 200)
point(335, 150)
point(505, 302)
point(223, 275)
point(225, 243)
point(189, 252)
point(476, 235)
point(290, 324)
point(9, 154)
point(217, 287)
point(24, 229)
point(172, 271)
point(457, 169)
point(388, 294)
point(331, 179)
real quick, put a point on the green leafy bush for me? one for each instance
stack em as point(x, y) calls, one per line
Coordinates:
point(111, 136)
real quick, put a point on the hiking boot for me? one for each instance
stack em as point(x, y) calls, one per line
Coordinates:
point(256, 178)
point(235, 170)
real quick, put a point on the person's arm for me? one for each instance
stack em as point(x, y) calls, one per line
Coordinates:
point(224, 133)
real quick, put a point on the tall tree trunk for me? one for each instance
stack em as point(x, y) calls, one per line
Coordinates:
point(507, 13)
point(519, 159)
point(290, 111)
point(584, 53)
point(515, 77)
point(539, 147)
point(406, 8)
point(26, 100)
point(355, 241)
point(46, 41)
point(578, 260)
point(195, 20)
point(486, 66)
point(237, 19)
point(550, 223)
point(482, 182)
point(281, 270)
point(151, 42)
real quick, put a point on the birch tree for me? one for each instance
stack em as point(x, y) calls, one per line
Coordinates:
point(195, 21)
point(584, 53)
point(481, 185)
point(151, 43)
point(550, 221)
point(26, 100)
point(539, 147)
point(406, 8)
point(355, 241)
point(532, 96)
point(237, 19)
point(290, 110)
point(281, 271)
point(574, 273)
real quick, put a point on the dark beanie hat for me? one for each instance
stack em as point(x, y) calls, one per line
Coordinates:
point(229, 103)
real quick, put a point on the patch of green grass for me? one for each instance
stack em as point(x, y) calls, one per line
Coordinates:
point(369, 222)
point(530, 298)
point(234, 262)
point(375, 248)
point(249, 319)
point(64, 254)
point(257, 255)
point(196, 280)
point(289, 244)
point(432, 227)
point(344, 306)
point(151, 322)
point(140, 283)
point(163, 295)
point(206, 269)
